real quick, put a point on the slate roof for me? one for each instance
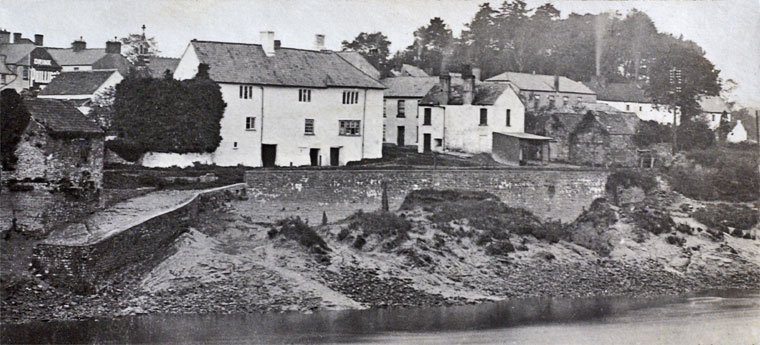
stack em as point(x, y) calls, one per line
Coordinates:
point(3, 68)
point(59, 117)
point(412, 71)
point(413, 87)
point(247, 64)
point(620, 92)
point(360, 62)
point(485, 94)
point(541, 82)
point(17, 54)
point(77, 83)
point(95, 57)
point(158, 65)
point(713, 104)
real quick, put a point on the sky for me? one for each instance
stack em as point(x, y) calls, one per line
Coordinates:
point(728, 30)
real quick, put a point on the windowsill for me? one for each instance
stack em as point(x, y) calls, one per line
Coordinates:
point(349, 135)
point(235, 148)
point(426, 124)
point(402, 117)
point(482, 125)
point(250, 129)
point(309, 134)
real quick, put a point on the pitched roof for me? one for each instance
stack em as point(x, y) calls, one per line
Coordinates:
point(412, 71)
point(358, 61)
point(113, 61)
point(620, 92)
point(69, 57)
point(77, 83)
point(15, 53)
point(158, 65)
point(247, 63)
point(3, 68)
point(541, 82)
point(408, 86)
point(485, 93)
point(713, 104)
point(59, 117)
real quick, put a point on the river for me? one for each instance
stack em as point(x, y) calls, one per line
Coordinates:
point(718, 317)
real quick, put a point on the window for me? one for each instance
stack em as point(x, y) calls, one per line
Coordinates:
point(401, 109)
point(25, 71)
point(627, 107)
point(349, 127)
point(713, 117)
point(509, 117)
point(484, 117)
point(641, 108)
point(384, 105)
point(304, 95)
point(350, 97)
point(308, 127)
point(383, 132)
point(427, 118)
point(76, 68)
point(234, 145)
point(250, 123)
point(438, 142)
point(246, 91)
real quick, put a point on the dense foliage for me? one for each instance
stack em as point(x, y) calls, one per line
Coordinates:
point(14, 118)
point(166, 115)
point(718, 173)
point(375, 47)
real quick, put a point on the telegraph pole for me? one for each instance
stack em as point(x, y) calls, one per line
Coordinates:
point(674, 79)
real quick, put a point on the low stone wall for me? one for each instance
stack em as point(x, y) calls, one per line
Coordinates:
point(127, 253)
point(548, 193)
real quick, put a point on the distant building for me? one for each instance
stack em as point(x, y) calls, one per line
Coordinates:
point(82, 86)
point(357, 60)
point(463, 115)
point(60, 144)
point(285, 106)
point(81, 58)
point(159, 66)
point(400, 116)
point(630, 97)
point(592, 138)
point(713, 108)
point(28, 65)
point(540, 91)
point(737, 134)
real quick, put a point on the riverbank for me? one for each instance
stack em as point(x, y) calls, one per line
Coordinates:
point(440, 248)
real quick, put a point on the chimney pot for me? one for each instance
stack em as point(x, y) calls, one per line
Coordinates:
point(319, 42)
point(16, 37)
point(79, 45)
point(38, 39)
point(267, 42)
point(5, 36)
point(113, 47)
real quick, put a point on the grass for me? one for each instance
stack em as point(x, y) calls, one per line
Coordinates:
point(117, 176)
point(386, 225)
point(723, 216)
point(295, 229)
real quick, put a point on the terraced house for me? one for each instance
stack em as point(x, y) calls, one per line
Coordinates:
point(28, 65)
point(285, 106)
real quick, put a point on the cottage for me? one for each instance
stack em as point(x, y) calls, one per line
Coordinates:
point(713, 109)
point(81, 58)
point(595, 138)
point(630, 97)
point(400, 105)
point(285, 106)
point(463, 115)
point(60, 144)
point(737, 134)
point(28, 65)
point(81, 87)
point(540, 91)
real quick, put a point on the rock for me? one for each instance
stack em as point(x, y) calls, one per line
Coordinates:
point(131, 311)
point(680, 262)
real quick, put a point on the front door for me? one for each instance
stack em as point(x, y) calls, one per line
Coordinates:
point(335, 156)
point(400, 136)
point(426, 143)
point(268, 155)
point(314, 155)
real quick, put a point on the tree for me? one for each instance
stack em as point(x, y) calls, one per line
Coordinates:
point(102, 108)
point(430, 44)
point(375, 47)
point(14, 118)
point(135, 45)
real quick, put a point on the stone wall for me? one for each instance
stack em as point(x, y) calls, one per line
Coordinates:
point(128, 253)
point(549, 193)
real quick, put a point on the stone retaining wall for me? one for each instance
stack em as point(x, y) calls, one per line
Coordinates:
point(128, 253)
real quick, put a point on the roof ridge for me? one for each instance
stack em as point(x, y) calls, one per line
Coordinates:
point(324, 51)
point(357, 68)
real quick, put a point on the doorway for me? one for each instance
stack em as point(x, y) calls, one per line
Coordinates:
point(314, 155)
point(268, 155)
point(335, 156)
point(400, 136)
point(426, 143)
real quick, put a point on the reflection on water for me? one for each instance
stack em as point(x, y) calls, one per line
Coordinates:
point(537, 321)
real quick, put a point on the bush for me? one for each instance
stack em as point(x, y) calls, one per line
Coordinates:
point(295, 229)
point(591, 229)
point(385, 224)
point(14, 118)
point(694, 135)
point(723, 216)
point(500, 248)
point(128, 150)
point(725, 174)
point(652, 132)
point(675, 240)
point(624, 179)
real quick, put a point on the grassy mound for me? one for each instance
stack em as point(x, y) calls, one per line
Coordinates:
point(297, 230)
point(386, 225)
point(723, 216)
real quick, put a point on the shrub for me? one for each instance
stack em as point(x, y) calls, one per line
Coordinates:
point(623, 179)
point(723, 216)
point(14, 118)
point(385, 224)
point(295, 229)
point(725, 174)
point(652, 132)
point(652, 219)
point(591, 229)
point(694, 135)
point(500, 248)
point(128, 150)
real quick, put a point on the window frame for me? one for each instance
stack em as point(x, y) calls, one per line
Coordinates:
point(427, 119)
point(509, 117)
point(401, 108)
point(306, 123)
point(250, 123)
point(352, 128)
point(483, 117)
point(304, 95)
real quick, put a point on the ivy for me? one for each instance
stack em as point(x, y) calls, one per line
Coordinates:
point(14, 118)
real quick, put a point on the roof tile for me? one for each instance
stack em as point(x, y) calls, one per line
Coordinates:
point(59, 117)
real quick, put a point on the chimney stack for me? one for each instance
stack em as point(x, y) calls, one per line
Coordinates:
point(79, 45)
point(38, 39)
point(476, 71)
point(319, 42)
point(468, 89)
point(5, 36)
point(445, 82)
point(113, 47)
point(556, 83)
point(16, 37)
point(277, 44)
point(267, 42)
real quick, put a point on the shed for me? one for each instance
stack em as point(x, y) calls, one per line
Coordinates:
point(514, 148)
